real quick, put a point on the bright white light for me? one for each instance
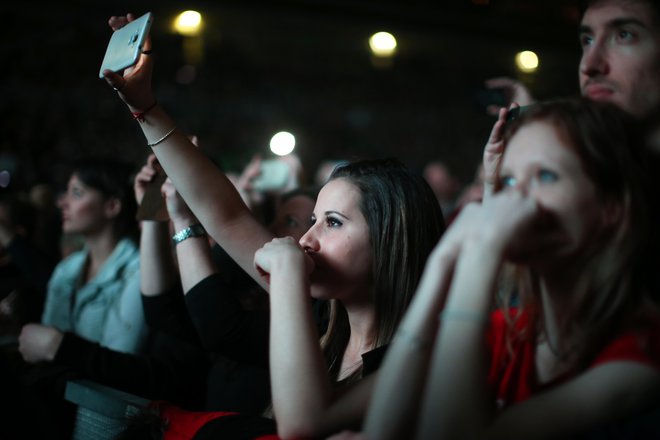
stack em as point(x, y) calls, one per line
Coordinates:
point(282, 143)
point(527, 61)
point(188, 23)
point(382, 44)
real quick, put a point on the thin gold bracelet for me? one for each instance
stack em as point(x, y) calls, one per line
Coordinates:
point(165, 136)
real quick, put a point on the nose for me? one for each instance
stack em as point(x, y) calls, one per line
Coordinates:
point(523, 186)
point(61, 201)
point(594, 60)
point(309, 241)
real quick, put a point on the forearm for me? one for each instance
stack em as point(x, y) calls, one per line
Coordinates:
point(299, 380)
point(157, 268)
point(206, 190)
point(194, 256)
point(456, 404)
point(405, 368)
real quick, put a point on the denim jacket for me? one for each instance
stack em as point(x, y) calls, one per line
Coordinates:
point(108, 309)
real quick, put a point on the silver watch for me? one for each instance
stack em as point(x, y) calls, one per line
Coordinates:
point(195, 230)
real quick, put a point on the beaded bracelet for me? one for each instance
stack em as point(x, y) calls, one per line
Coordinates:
point(139, 116)
point(165, 136)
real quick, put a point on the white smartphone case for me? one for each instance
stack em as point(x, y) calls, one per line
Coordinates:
point(126, 45)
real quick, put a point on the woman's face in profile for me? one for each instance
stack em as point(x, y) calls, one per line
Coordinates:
point(83, 208)
point(338, 242)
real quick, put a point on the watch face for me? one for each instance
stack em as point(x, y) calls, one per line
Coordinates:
point(195, 230)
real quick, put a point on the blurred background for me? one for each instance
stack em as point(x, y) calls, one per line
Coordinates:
point(256, 68)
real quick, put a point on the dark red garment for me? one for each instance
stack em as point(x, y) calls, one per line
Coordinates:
point(512, 374)
point(184, 425)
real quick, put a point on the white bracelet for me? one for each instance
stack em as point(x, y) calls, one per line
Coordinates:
point(165, 136)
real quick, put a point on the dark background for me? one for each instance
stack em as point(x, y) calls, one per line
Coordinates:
point(300, 66)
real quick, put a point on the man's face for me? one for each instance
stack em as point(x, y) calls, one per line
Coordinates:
point(621, 55)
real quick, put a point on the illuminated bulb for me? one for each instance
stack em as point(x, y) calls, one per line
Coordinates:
point(527, 61)
point(188, 23)
point(382, 44)
point(282, 143)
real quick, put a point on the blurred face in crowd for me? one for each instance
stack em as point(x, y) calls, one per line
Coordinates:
point(84, 209)
point(338, 243)
point(293, 217)
point(540, 163)
point(621, 54)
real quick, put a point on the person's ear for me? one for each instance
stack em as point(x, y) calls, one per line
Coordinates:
point(112, 207)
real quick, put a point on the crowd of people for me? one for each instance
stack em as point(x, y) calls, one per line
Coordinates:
point(379, 302)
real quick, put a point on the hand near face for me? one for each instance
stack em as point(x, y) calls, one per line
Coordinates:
point(494, 152)
point(39, 343)
point(505, 222)
point(282, 254)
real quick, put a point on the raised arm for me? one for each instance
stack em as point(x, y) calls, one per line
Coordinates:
point(299, 379)
point(157, 267)
point(210, 195)
point(406, 364)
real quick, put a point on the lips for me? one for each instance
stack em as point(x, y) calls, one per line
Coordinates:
point(598, 91)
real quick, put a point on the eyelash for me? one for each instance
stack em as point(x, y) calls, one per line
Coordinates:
point(542, 176)
point(333, 222)
point(585, 40)
point(507, 181)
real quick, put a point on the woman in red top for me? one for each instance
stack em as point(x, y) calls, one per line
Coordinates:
point(573, 222)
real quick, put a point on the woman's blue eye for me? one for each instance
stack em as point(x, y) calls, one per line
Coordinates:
point(507, 181)
point(547, 176)
point(312, 220)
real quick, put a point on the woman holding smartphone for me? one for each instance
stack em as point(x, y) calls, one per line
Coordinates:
point(374, 224)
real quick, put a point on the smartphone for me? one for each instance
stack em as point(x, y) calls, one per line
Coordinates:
point(274, 175)
point(515, 112)
point(126, 44)
point(486, 97)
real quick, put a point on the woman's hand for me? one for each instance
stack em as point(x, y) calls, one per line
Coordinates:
point(178, 210)
point(134, 86)
point(494, 151)
point(281, 252)
point(39, 343)
point(145, 176)
point(506, 221)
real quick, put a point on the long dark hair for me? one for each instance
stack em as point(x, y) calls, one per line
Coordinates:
point(618, 282)
point(112, 178)
point(405, 222)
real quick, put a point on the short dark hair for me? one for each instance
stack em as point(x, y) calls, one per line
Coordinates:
point(112, 178)
point(654, 5)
